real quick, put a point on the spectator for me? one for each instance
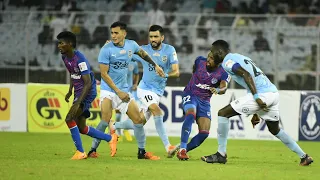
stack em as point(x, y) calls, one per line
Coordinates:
point(186, 46)
point(261, 43)
point(155, 15)
point(45, 36)
point(311, 60)
point(101, 32)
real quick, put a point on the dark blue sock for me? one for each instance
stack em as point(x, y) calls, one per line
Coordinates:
point(75, 134)
point(197, 140)
point(186, 129)
point(91, 131)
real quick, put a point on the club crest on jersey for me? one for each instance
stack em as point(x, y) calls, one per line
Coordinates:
point(164, 58)
point(130, 54)
point(214, 80)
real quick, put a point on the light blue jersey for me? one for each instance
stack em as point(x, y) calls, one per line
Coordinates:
point(118, 59)
point(133, 70)
point(164, 57)
point(261, 81)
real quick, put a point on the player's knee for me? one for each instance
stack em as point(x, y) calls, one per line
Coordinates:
point(274, 130)
point(155, 110)
point(222, 113)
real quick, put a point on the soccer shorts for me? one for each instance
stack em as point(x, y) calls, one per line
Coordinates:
point(202, 107)
point(117, 103)
point(85, 104)
point(147, 98)
point(247, 105)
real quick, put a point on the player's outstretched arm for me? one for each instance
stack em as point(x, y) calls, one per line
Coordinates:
point(247, 78)
point(175, 71)
point(144, 55)
point(69, 92)
point(104, 69)
point(250, 83)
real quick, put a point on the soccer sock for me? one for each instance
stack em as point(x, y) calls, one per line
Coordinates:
point(101, 127)
point(158, 121)
point(223, 129)
point(290, 143)
point(186, 129)
point(92, 132)
point(140, 135)
point(127, 124)
point(118, 119)
point(197, 140)
point(75, 134)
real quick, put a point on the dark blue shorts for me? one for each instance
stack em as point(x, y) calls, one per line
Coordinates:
point(203, 108)
point(85, 105)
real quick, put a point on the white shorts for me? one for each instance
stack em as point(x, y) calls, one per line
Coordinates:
point(247, 105)
point(147, 98)
point(117, 103)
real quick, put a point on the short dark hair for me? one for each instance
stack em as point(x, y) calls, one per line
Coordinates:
point(69, 37)
point(221, 45)
point(122, 25)
point(156, 28)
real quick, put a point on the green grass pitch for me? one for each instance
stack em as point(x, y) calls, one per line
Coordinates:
point(47, 156)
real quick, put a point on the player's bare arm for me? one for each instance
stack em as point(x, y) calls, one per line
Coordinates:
point(144, 55)
point(250, 83)
point(175, 71)
point(69, 92)
point(87, 86)
point(104, 69)
point(135, 82)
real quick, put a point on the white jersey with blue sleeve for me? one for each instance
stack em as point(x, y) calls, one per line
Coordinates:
point(164, 57)
point(118, 59)
point(132, 70)
point(233, 60)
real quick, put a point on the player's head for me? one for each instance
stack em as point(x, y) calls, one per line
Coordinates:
point(66, 41)
point(156, 36)
point(219, 50)
point(118, 32)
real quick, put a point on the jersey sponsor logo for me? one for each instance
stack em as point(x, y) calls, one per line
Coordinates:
point(214, 80)
point(75, 76)
point(203, 86)
point(229, 63)
point(120, 65)
point(83, 66)
point(123, 51)
point(4, 104)
point(309, 122)
point(164, 58)
point(46, 108)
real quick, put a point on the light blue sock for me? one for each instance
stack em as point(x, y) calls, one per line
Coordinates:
point(140, 135)
point(118, 119)
point(102, 126)
point(223, 129)
point(158, 121)
point(290, 143)
point(127, 124)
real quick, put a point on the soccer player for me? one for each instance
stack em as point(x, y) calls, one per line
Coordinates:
point(262, 101)
point(133, 80)
point(84, 84)
point(208, 78)
point(151, 87)
point(114, 59)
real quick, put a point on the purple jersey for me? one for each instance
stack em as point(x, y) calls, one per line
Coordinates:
point(78, 65)
point(202, 80)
